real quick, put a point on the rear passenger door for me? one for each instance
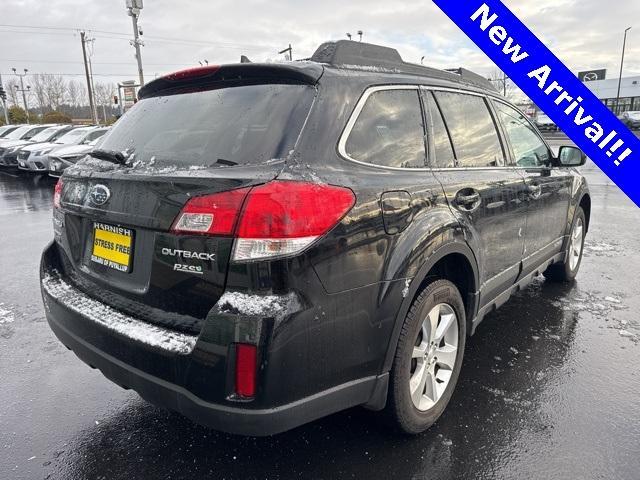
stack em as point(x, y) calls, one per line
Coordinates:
point(468, 158)
point(548, 190)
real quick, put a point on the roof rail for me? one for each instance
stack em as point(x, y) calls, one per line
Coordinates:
point(472, 77)
point(351, 53)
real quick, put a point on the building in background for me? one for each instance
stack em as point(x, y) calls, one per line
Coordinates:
point(607, 90)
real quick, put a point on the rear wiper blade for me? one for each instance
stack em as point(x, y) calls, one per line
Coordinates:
point(108, 155)
point(228, 163)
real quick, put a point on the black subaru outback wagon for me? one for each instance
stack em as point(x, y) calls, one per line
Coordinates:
point(260, 245)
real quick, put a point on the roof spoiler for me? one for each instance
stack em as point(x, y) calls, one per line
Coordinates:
point(232, 74)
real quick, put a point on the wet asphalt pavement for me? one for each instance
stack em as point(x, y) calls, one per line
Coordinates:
point(550, 386)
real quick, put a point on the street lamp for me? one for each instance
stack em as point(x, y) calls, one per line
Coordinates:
point(133, 8)
point(22, 89)
point(624, 46)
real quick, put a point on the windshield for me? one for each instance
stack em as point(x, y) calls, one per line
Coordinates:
point(227, 126)
point(97, 139)
point(18, 132)
point(45, 134)
point(6, 129)
point(73, 136)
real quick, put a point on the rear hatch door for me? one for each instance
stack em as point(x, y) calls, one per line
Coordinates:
point(114, 223)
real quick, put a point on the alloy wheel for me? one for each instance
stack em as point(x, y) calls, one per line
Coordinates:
point(433, 357)
point(575, 247)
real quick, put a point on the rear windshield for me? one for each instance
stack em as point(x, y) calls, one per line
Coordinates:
point(222, 127)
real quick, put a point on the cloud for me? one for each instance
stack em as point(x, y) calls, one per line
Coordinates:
point(178, 34)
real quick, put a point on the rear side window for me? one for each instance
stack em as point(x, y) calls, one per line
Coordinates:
point(443, 156)
point(245, 124)
point(473, 131)
point(389, 130)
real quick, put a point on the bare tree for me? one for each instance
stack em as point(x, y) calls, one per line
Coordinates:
point(104, 93)
point(56, 89)
point(75, 93)
point(502, 83)
point(39, 89)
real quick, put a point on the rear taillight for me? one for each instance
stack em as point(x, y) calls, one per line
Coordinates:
point(57, 194)
point(283, 218)
point(246, 359)
point(211, 214)
point(275, 219)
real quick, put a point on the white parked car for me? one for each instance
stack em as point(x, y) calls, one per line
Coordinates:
point(35, 158)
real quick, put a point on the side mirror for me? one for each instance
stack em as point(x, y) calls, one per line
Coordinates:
point(569, 156)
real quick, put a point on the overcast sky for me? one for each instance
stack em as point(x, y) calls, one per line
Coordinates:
point(585, 34)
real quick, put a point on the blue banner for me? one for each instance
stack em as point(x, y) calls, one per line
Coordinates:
point(552, 86)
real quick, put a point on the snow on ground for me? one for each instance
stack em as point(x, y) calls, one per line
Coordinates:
point(6, 315)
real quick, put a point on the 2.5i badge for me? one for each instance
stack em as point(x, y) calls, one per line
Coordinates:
point(197, 269)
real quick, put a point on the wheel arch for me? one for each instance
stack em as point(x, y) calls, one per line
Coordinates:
point(455, 262)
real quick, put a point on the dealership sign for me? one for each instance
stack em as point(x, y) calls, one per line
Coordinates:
point(592, 75)
point(552, 86)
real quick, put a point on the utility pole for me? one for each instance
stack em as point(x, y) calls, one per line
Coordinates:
point(624, 46)
point(23, 90)
point(3, 97)
point(134, 7)
point(86, 73)
point(290, 50)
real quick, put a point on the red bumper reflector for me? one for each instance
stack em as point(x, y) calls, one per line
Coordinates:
point(246, 357)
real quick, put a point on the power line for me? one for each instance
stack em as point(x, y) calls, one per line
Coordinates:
point(94, 63)
point(121, 35)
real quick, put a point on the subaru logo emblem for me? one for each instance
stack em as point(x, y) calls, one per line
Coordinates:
point(99, 195)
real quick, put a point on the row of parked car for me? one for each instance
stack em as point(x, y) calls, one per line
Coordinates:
point(630, 119)
point(46, 149)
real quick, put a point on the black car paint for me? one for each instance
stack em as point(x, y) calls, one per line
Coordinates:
point(352, 288)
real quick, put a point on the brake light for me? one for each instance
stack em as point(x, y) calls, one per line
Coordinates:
point(195, 72)
point(57, 194)
point(283, 218)
point(275, 219)
point(211, 214)
point(246, 358)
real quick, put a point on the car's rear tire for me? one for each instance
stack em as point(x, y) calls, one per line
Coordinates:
point(421, 384)
point(567, 270)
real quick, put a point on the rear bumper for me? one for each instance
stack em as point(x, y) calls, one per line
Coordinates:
point(178, 371)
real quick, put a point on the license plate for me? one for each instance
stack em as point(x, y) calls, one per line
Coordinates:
point(112, 246)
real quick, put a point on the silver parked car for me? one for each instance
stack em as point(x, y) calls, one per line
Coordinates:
point(36, 158)
point(9, 158)
point(25, 132)
point(64, 157)
point(7, 129)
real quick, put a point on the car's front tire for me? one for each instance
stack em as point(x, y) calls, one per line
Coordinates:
point(428, 358)
point(567, 270)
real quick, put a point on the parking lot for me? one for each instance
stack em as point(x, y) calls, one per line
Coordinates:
point(549, 387)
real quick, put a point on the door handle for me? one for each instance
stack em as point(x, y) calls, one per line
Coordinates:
point(468, 200)
point(534, 191)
